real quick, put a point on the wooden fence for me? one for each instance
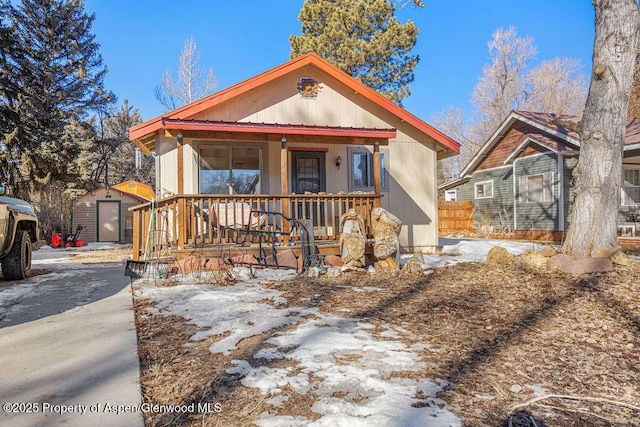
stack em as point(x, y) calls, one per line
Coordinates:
point(455, 217)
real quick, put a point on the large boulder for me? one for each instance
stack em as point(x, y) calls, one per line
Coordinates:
point(381, 219)
point(499, 256)
point(588, 266)
point(386, 229)
point(190, 264)
point(334, 260)
point(284, 258)
point(352, 239)
point(548, 251)
point(533, 260)
point(215, 264)
point(558, 262)
point(567, 264)
point(621, 259)
point(605, 252)
point(413, 267)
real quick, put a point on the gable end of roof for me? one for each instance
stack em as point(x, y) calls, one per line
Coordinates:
point(144, 130)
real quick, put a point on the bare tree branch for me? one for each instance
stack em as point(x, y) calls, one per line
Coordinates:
point(192, 83)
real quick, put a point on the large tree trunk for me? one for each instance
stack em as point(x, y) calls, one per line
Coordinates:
point(599, 171)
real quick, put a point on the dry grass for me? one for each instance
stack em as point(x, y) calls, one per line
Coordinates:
point(494, 334)
point(99, 256)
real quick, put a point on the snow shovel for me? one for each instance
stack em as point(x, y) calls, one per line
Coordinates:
point(135, 269)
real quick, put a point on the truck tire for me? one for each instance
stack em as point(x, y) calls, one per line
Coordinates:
point(17, 264)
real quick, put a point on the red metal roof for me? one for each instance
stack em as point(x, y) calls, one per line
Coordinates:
point(150, 127)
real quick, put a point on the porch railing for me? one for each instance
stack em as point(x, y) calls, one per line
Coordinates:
point(184, 221)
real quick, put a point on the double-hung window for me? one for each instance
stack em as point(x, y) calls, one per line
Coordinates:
point(631, 187)
point(483, 190)
point(536, 188)
point(361, 170)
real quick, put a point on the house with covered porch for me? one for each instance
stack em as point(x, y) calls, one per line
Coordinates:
point(304, 140)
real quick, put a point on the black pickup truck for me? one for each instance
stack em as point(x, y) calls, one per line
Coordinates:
point(18, 233)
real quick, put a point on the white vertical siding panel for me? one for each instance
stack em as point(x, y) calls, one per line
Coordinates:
point(191, 167)
point(412, 193)
point(167, 159)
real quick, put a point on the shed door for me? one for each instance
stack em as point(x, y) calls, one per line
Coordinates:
point(108, 221)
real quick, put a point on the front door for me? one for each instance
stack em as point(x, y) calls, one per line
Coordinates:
point(108, 221)
point(308, 172)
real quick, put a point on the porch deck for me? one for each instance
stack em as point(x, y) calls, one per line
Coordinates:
point(215, 223)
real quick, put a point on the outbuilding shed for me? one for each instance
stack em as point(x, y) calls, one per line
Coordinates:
point(105, 213)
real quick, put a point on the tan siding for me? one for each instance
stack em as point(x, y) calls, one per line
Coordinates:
point(191, 168)
point(412, 194)
point(166, 162)
point(85, 213)
point(280, 102)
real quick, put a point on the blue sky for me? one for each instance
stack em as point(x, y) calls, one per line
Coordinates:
point(140, 39)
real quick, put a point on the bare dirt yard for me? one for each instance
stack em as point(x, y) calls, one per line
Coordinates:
point(515, 347)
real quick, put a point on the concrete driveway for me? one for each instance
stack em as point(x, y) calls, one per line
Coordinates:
point(69, 346)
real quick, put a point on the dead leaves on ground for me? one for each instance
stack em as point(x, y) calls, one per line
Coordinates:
point(499, 337)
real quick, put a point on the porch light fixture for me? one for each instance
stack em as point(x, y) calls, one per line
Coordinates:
point(338, 161)
point(284, 140)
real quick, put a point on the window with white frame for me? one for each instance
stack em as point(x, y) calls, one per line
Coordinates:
point(536, 188)
point(484, 190)
point(631, 187)
point(361, 169)
point(451, 195)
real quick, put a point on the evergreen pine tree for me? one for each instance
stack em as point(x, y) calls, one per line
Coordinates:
point(10, 171)
point(362, 38)
point(60, 74)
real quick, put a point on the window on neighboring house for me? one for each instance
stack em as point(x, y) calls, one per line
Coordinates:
point(451, 195)
point(536, 188)
point(230, 170)
point(631, 187)
point(484, 190)
point(361, 170)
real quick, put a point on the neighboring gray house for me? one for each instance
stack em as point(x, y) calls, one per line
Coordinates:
point(520, 181)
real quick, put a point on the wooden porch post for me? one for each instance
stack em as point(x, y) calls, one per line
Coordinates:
point(284, 188)
point(182, 222)
point(179, 146)
point(376, 173)
point(136, 235)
